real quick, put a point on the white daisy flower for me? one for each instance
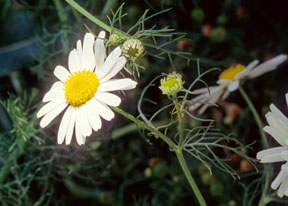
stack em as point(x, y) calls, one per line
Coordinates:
point(278, 129)
point(229, 81)
point(84, 90)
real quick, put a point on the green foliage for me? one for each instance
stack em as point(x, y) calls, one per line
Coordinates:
point(113, 167)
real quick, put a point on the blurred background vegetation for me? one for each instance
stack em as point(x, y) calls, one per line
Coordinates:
point(120, 165)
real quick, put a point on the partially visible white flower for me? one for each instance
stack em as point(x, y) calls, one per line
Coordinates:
point(84, 90)
point(229, 81)
point(278, 129)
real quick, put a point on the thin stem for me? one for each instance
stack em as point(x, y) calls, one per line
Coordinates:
point(268, 174)
point(256, 116)
point(180, 119)
point(148, 127)
point(176, 149)
point(63, 18)
point(189, 177)
point(14, 155)
point(269, 170)
point(88, 15)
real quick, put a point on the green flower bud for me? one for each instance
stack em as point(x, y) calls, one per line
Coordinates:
point(147, 172)
point(160, 170)
point(216, 189)
point(222, 19)
point(132, 49)
point(114, 39)
point(171, 83)
point(218, 35)
point(198, 15)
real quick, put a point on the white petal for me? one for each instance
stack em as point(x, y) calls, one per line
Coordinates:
point(225, 95)
point(242, 74)
point(117, 84)
point(284, 155)
point(73, 61)
point(233, 86)
point(247, 71)
point(277, 124)
point(93, 118)
point(212, 101)
point(275, 134)
point(279, 114)
point(104, 111)
point(51, 115)
point(79, 53)
point(268, 66)
point(283, 187)
point(270, 155)
point(64, 125)
point(57, 85)
point(205, 90)
point(50, 106)
point(86, 130)
point(117, 67)
point(79, 136)
point(100, 50)
point(61, 73)
point(70, 128)
point(279, 179)
point(211, 98)
point(108, 98)
point(109, 63)
point(55, 92)
point(88, 58)
point(267, 152)
point(251, 65)
point(224, 81)
point(203, 108)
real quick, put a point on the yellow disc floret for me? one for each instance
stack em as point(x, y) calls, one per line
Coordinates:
point(80, 87)
point(171, 83)
point(231, 72)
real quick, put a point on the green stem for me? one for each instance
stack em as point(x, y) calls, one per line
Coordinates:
point(88, 15)
point(14, 155)
point(60, 10)
point(145, 126)
point(189, 177)
point(268, 174)
point(269, 170)
point(108, 6)
point(63, 19)
point(256, 116)
point(180, 119)
point(177, 149)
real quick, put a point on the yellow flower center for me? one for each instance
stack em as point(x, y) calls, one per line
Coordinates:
point(231, 72)
point(80, 87)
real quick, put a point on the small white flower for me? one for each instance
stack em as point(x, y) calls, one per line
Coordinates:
point(278, 129)
point(229, 81)
point(84, 90)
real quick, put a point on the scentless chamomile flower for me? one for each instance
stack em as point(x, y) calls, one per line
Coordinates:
point(171, 82)
point(132, 49)
point(84, 90)
point(278, 129)
point(230, 79)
